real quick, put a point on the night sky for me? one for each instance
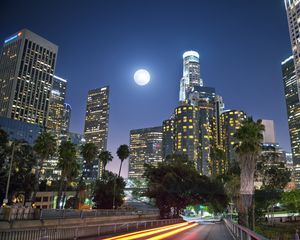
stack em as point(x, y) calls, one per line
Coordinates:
point(241, 45)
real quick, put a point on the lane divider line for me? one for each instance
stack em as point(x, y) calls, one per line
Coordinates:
point(169, 234)
point(160, 229)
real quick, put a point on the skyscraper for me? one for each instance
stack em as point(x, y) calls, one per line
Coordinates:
point(145, 147)
point(67, 117)
point(290, 82)
point(186, 133)
point(96, 125)
point(57, 109)
point(269, 132)
point(168, 138)
point(27, 65)
point(231, 121)
point(293, 17)
point(191, 74)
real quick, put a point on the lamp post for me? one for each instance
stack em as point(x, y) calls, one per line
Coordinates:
point(5, 200)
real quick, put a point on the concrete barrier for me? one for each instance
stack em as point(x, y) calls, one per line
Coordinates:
point(76, 232)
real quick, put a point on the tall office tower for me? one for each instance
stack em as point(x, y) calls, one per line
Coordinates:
point(167, 138)
point(27, 65)
point(196, 127)
point(67, 117)
point(145, 147)
point(186, 133)
point(293, 17)
point(205, 98)
point(291, 74)
point(219, 108)
point(56, 107)
point(269, 132)
point(290, 83)
point(191, 74)
point(96, 126)
point(231, 121)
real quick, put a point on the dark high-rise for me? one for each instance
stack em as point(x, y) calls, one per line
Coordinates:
point(96, 125)
point(231, 121)
point(167, 138)
point(27, 66)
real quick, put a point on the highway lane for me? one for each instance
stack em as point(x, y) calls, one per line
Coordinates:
point(185, 231)
point(205, 232)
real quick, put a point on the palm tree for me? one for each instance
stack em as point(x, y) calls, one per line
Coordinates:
point(89, 153)
point(248, 149)
point(45, 146)
point(105, 157)
point(123, 153)
point(68, 165)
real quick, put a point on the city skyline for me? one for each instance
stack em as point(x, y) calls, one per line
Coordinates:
point(164, 64)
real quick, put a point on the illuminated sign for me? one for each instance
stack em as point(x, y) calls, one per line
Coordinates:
point(13, 37)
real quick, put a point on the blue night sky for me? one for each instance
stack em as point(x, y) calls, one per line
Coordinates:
point(241, 45)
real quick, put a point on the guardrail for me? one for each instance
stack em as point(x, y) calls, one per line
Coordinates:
point(9, 214)
point(74, 233)
point(242, 233)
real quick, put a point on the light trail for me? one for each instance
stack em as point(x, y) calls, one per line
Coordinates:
point(169, 234)
point(148, 232)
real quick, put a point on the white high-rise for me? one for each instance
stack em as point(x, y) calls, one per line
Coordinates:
point(191, 74)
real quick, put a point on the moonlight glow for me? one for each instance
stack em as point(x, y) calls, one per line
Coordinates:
point(141, 77)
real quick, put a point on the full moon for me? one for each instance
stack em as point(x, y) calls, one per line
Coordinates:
point(141, 77)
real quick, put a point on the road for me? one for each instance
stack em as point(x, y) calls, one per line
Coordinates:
point(182, 231)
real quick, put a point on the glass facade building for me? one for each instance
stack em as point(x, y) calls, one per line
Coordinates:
point(191, 74)
point(145, 147)
point(20, 131)
point(67, 117)
point(27, 66)
point(56, 120)
point(291, 92)
point(96, 126)
point(291, 79)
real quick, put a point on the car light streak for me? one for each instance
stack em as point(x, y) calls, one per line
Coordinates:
point(169, 234)
point(148, 232)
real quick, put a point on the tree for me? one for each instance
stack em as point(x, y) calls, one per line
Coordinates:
point(4, 151)
point(123, 153)
point(271, 171)
point(89, 153)
point(103, 193)
point(105, 157)
point(22, 178)
point(176, 184)
point(248, 149)
point(45, 146)
point(291, 200)
point(68, 165)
